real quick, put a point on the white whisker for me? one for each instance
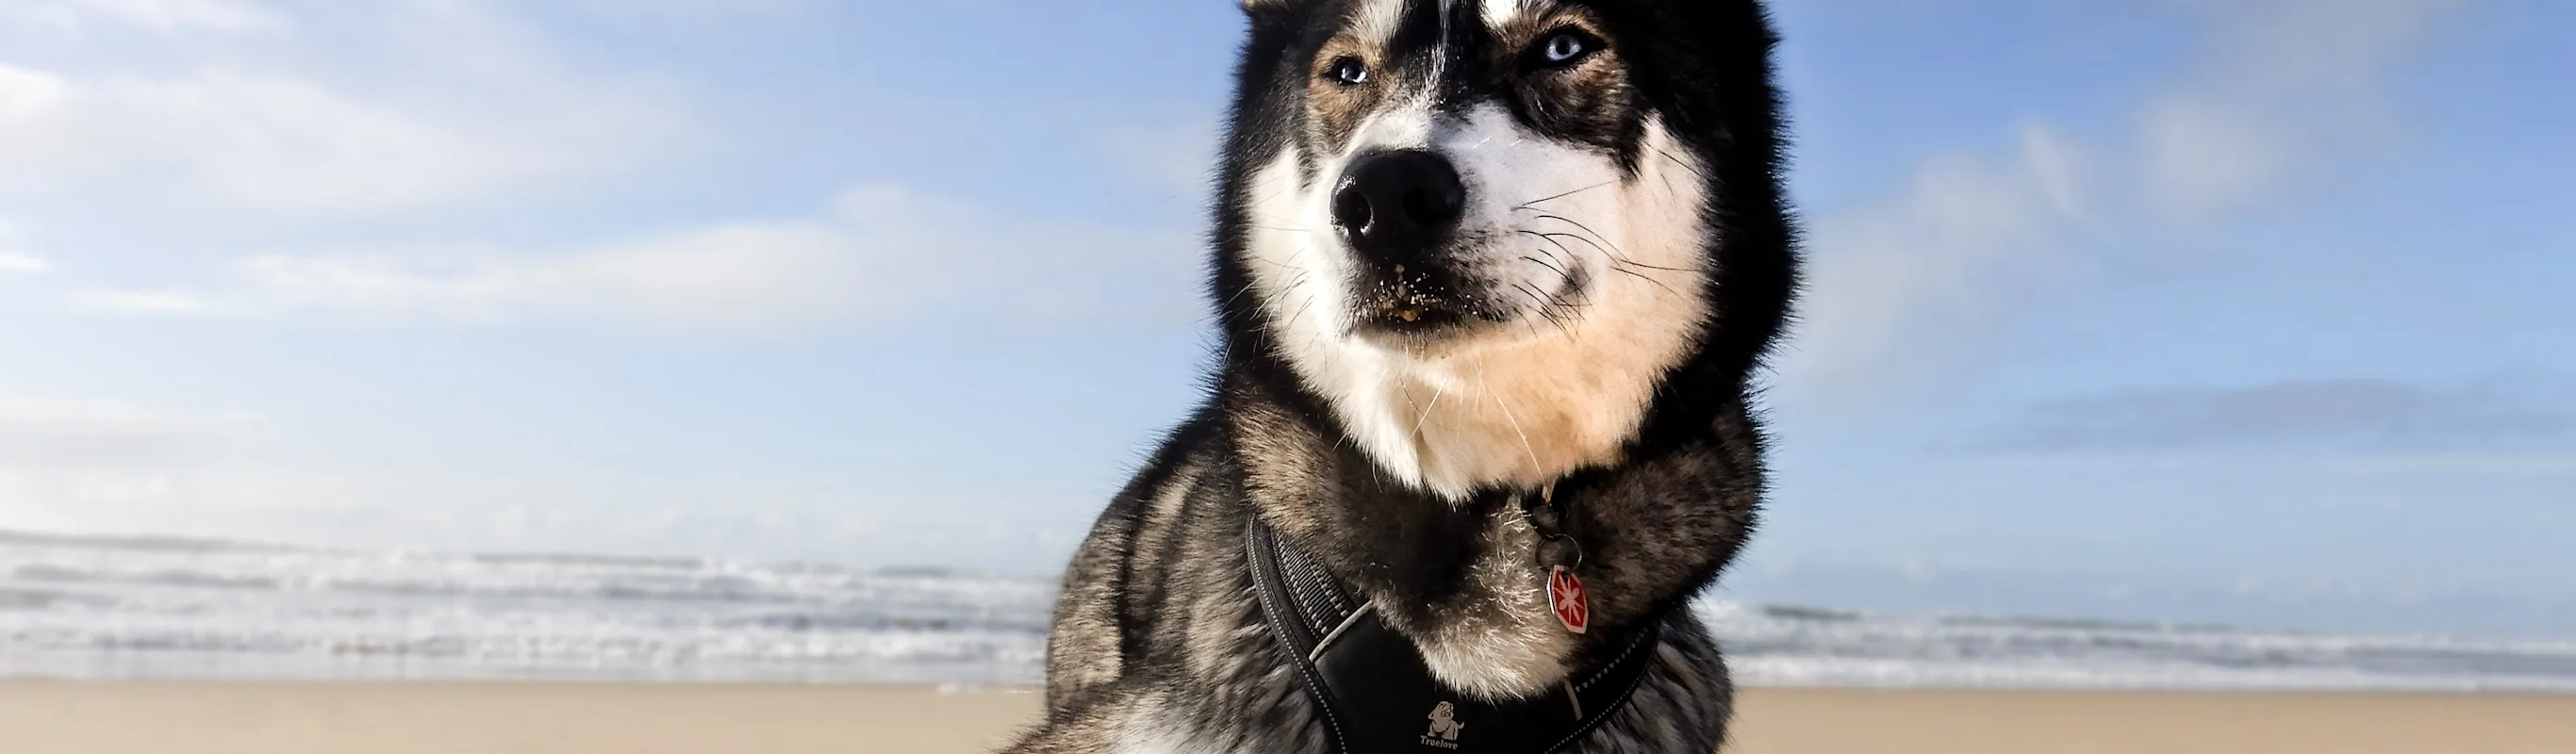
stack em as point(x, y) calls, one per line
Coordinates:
point(1507, 414)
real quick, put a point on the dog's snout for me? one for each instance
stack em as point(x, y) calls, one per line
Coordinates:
point(1397, 205)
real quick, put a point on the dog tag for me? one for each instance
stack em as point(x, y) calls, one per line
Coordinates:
point(1565, 597)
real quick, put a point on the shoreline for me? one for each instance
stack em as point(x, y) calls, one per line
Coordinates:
point(547, 717)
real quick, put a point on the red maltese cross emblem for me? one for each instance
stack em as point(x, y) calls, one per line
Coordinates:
point(1565, 596)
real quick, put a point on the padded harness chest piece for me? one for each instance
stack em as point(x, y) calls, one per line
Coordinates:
point(1377, 695)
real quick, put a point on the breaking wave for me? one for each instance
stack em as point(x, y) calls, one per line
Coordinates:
point(140, 607)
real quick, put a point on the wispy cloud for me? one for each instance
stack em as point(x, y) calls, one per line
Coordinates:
point(67, 462)
point(878, 251)
point(1879, 271)
point(79, 435)
point(2283, 95)
point(13, 259)
point(2339, 413)
point(88, 464)
point(28, 94)
point(172, 303)
point(724, 276)
point(2286, 91)
point(249, 139)
point(157, 15)
point(1180, 156)
point(484, 112)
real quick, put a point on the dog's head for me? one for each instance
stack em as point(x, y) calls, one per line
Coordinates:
point(1540, 213)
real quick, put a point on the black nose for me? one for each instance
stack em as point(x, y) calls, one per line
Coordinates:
point(1396, 205)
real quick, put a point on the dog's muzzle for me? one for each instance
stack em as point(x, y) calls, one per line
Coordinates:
point(1398, 212)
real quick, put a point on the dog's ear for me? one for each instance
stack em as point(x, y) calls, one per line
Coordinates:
point(1272, 8)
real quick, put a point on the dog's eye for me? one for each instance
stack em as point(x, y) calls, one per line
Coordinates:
point(1567, 46)
point(1347, 72)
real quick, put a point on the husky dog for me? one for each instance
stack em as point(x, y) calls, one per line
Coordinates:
point(1493, 278)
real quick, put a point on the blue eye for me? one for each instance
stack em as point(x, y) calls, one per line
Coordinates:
point(1567, 46)
point(1348, 72)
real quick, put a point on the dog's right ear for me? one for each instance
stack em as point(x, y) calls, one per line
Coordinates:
point(1271, 8)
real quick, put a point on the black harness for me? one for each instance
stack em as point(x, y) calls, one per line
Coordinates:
point(1377, 695)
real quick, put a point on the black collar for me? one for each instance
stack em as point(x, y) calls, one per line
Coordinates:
point(1377, 695)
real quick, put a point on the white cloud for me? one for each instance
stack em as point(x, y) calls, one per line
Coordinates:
point(147, 302)
point(878, 251)
point(14, 261)
point(1180, 156)
point(457, 103)
point(722, 278)
point(122, 467)
point(156, 15)
point(81, 464)
point(2204, 158)
point(85, 465)
point(27, 94)
point(2288, 90)
point(1877, 270)
point(2283, 95)
point(59, 460)
point(92, 435)
point(257, 140)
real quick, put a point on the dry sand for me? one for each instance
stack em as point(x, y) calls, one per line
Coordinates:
point(344, 718)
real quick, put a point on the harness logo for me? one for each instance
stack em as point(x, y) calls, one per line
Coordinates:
point(1444, 727)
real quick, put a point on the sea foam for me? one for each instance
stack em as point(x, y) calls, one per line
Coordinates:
point(188, 609)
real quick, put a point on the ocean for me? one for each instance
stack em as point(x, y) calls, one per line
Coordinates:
point(132, 608)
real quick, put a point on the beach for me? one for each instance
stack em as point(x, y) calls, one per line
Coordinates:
point(85, 717)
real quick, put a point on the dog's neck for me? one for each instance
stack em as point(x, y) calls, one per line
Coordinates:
point(1395, 541)
point(1463, 579)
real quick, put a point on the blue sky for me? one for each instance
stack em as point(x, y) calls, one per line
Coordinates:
point(2223, 311)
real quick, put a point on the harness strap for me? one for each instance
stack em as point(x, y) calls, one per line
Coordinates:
point(1376, 693)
